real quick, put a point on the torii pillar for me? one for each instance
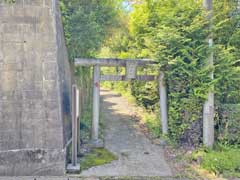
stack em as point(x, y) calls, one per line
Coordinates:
point(131, 74)
point(96, 105)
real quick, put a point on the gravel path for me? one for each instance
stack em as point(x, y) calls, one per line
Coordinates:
point(137, 155)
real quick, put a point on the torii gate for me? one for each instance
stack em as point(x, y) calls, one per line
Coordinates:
point(131, 66)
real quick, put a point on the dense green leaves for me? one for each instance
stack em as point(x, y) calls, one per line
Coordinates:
point(86, 24)
point(175, 33)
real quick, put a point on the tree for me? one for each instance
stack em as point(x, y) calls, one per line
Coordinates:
point(87, 23)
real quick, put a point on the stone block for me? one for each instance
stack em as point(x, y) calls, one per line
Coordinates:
point(49, 55)
point(9, 120)
point(34, 11)
point(12, 28)
point(33, 114)
point(50, 70)
point(10, 140)
point(33, 95)
point(1, 31)
point(48, 3)
point(52, 122)
point(29, 105)
point(18, 3)
point(32, 48)
point(9, 51)
point(30, 77)
point(29, 32)
point(19, 11)
point(49, 52)
point(50, 90)
point(5, 11)
point(46, 23)
point(12, 95)
point(8, 37)
point(20, 20)
point(31, 85)
point(10, 105)
point(38, 3)
point(54, 139)
point(34, 69)
point(34, 135)
point(11, 66)
point(8, 80)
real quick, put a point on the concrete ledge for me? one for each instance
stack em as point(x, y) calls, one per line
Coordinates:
point(48, 178)
point(32, 162)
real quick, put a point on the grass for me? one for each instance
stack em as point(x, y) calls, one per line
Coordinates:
point(224, 161)
point(97, 157)
point(152, 122)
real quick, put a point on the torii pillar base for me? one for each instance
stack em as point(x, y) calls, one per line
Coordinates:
point(73, 169)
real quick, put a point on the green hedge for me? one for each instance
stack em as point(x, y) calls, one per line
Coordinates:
point(228, 123)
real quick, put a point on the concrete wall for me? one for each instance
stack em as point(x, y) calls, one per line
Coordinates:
point(35, 82)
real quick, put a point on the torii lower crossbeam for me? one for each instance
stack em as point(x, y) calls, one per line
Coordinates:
point(131, 74)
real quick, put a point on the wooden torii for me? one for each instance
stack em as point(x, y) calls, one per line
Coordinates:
point(131, 66)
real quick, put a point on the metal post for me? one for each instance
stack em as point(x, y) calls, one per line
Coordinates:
point(78, 119)
point(74, 166)
point(96, 101)
point(163, 103)
point(74, 125)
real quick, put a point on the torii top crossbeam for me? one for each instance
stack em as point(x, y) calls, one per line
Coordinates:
point(130, 65)
point(112, 62)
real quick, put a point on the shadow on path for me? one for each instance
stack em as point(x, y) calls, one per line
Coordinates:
point(137, 155)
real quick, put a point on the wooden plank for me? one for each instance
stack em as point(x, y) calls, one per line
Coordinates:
point(111, 62)
point(123, 78)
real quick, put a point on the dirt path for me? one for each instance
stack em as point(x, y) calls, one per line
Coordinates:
point(137, 155)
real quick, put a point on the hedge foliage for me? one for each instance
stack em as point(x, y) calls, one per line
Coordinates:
point(174, 33)
point(228, 124)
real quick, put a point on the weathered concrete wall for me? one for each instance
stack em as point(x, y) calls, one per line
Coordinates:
point(35, 83)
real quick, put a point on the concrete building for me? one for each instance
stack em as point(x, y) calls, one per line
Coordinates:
point(35, 86)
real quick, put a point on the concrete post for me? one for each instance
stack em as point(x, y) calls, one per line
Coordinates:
point(96, 101)
point(208, 121)
point(163, 103)
point(208, 108)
